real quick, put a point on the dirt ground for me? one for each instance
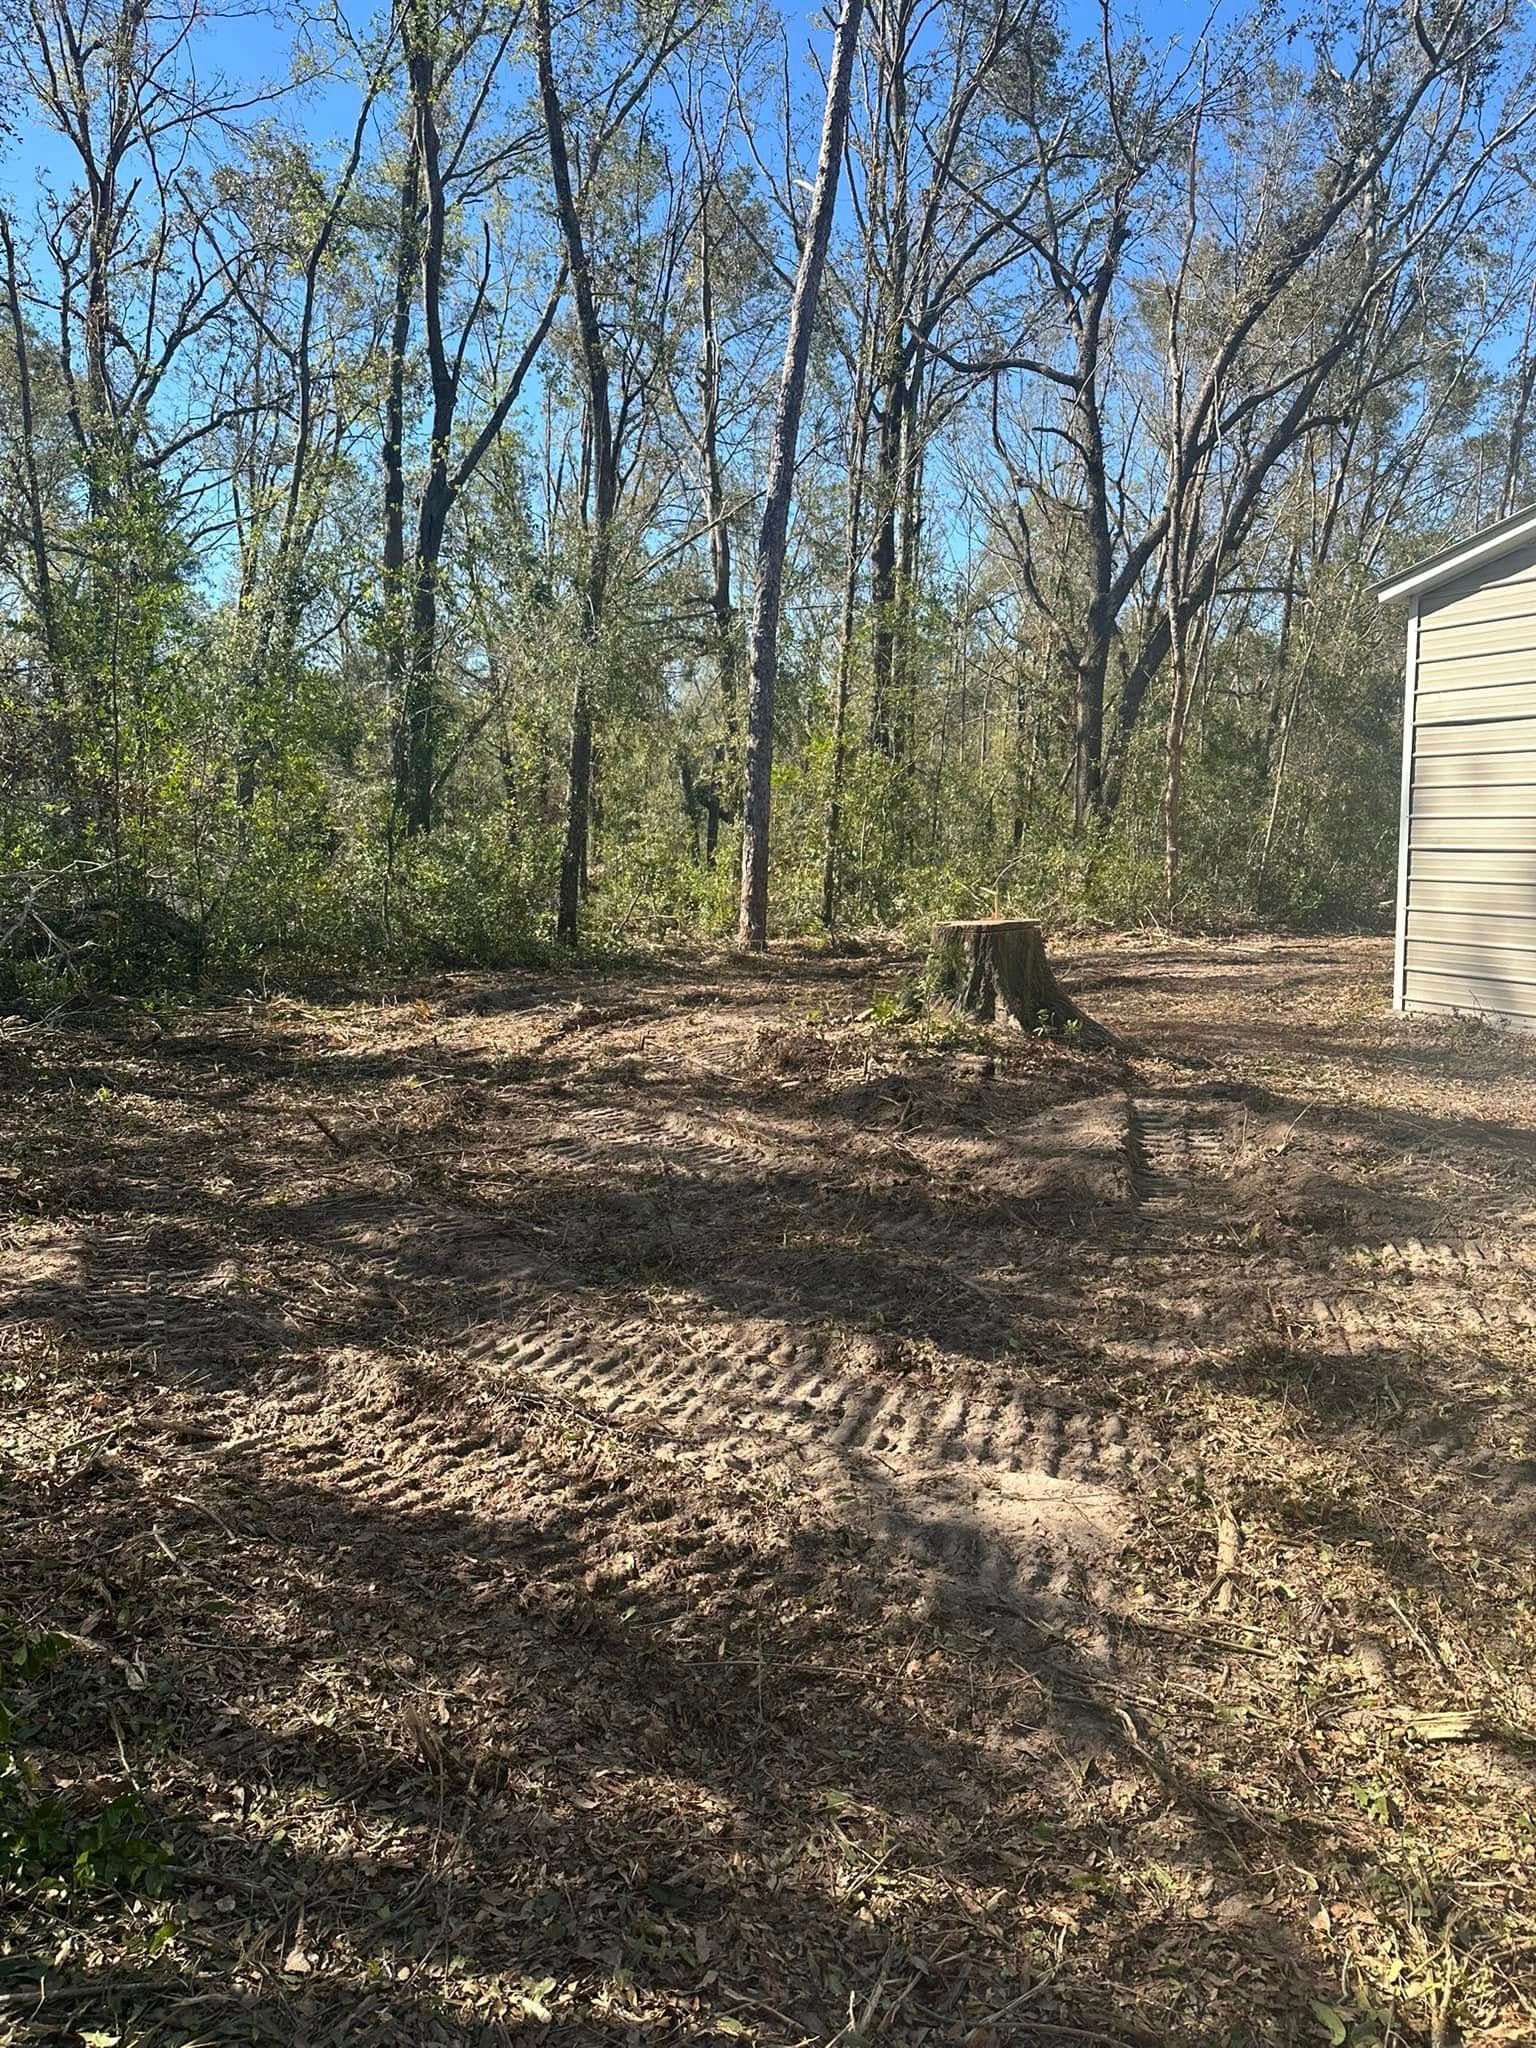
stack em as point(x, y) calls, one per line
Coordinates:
point(696, 1504)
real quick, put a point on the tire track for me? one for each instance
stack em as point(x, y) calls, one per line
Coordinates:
point(484, 1502)
point(1175, 1146)
point(609, 1140)
point(999, 1492)
point(1431, 1340)
point(1470, 1257)
point(1390, 1315)
point(1496, 1488)
point(793, 1387)
point(1410, 1299)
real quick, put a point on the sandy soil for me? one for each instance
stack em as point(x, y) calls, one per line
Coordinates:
point(697, 1504)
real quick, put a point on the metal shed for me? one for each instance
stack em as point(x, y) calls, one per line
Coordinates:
point(1466, 876)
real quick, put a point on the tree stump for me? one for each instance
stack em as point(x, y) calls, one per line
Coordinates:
point(982, 962)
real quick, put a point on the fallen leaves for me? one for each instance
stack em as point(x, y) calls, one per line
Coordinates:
point(467, 1709)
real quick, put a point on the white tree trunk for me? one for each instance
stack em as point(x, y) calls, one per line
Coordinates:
point(773, 533)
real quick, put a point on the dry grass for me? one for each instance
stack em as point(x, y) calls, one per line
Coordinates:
point(678, 1510)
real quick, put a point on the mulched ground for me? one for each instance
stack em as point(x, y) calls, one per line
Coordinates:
point(703, 1504)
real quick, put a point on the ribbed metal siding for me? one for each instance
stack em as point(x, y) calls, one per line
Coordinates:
point(1469, 908)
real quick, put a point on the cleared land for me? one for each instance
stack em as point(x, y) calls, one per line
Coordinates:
point(692, 1505)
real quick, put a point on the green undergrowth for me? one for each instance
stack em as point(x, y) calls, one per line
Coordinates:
point(64, 1841)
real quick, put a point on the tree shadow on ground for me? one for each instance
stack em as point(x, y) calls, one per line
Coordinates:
point(552, 1697)
point(438, 1756)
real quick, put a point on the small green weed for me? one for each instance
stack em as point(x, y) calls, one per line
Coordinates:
point(1067, 1031)
point(46, 1840)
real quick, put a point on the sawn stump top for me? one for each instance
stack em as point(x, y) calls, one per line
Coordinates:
point(973, 924)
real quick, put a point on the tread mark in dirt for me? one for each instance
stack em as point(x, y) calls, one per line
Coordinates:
point(488, 1502)
point(608, 1139)
point(1401, 1329)
point(1359, 1325)
point(1455, 1255)
point(1172, 1145)
point(1412, 1303)
point(495, 1506)
point(1005, 1494)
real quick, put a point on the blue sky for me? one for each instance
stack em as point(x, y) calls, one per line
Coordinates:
point(254, 50)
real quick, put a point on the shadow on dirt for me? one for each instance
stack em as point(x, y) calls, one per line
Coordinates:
point(454, 1695)
point(590, 1738)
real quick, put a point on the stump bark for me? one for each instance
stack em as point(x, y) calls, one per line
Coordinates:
point(980, 963)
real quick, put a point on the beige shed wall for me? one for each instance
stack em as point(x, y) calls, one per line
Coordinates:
point(1467, 920)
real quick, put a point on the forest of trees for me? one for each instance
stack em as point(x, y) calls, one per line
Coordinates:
point(416, 543)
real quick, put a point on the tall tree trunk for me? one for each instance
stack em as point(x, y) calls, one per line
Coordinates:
point(852, 558)
point(416, 735)
point(1275, 711)
point(1272, 816)
point(1520, 415)
point(104, 227)
point(604, 495)
point(412, 594)
point(907, 565)
point(62, 734)
point(722, 609)
point(889, 197)
point(774, 532)
point(99, 435)
point(37, 531)
point(1173, 766)
point(1181, 548)
point(1092, 667)
point(396, 624)
point(883, 737)
point(1098, 623)
point(721, 604)
point(279, 606)
point(1302, 663)
point(1026, 752)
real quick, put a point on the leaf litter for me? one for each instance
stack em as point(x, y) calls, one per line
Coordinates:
point(693, 1505)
